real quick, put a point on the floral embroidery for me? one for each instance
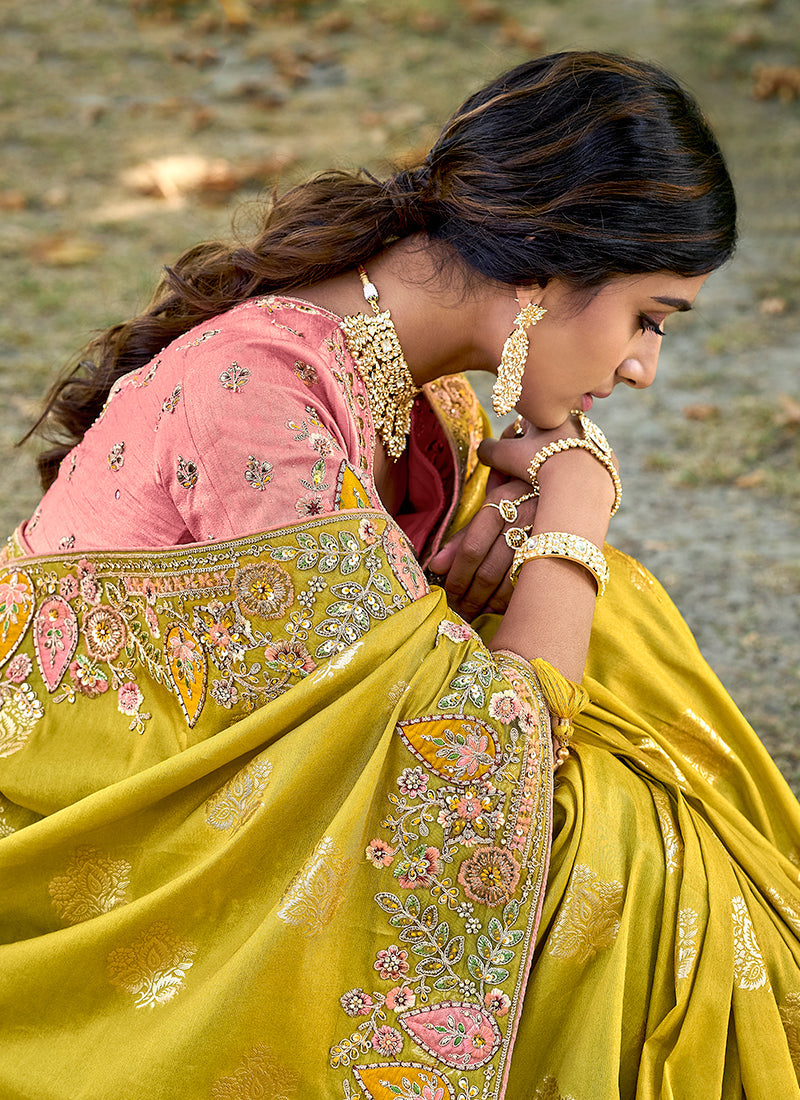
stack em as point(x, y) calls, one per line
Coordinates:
point(356, 1002)
point(497, 1002)
point(391, 963)
point(235, 803)
point(235, 377)
point(305, 372)
point(199, 339)
point(489, 876)
point(311, 504)
point(258, 1077)
point(549, 1090)
point(418, 868)
point(87, 678)
point(19, 668)
point(67, 542)
point(589, 918)
point(292, 657)
point(379, 853)
point(264, 590)
point(93, 883)
point(387, 1041)
point(406, 1081)
point(505, 706)
point(399, 998)
point(153, 967)
point(456, 632)
point(748, 962)
point(116, 457)
point(186, 473)
point(258, 474)
point(129, 698)
point(686, 943)
point(148, 378)
point(170, 404)
point(315, 894)
point(104, 633)
point(403, 563)
point(673, 846)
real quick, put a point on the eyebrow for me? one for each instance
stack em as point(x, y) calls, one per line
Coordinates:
point(680, 304)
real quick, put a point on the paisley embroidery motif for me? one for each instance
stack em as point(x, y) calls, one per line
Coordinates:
point(457, 747)
point(748, 963)
point(350, 490)
point(16, 609)
point(188, 670)
point(153, 967)
point(313, 896)
point(402, 1081)
point(240, 798)
point(686, 943)
point(55, 638)
point(461, 1036)
point(589, 918)
point(93, 883)
point(258, 1077)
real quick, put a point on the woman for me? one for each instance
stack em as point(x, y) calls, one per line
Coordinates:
point(278, 821)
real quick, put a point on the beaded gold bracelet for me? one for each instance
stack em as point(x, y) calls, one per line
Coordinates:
point(594, 441)
point(562, 544)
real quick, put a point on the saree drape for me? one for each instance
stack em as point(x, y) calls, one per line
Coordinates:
point(275, 823)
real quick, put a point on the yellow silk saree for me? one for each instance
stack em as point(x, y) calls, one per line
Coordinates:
point(274, 822)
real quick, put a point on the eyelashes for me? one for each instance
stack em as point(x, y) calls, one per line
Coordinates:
point(647, 324)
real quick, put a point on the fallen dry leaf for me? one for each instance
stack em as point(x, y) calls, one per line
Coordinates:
point(62, 250)
point(701, 411)
point(789, 416)
point(751, 480)
point(173, 178)
point(782, 81)
point(772, 307)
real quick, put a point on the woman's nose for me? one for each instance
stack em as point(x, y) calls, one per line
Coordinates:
point(639, 372)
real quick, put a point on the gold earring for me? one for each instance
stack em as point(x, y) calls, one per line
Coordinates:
point(508, 386)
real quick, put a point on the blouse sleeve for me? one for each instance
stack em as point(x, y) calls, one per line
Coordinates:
point(257, 436)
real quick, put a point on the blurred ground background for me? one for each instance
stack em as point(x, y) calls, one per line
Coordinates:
point(132, 129)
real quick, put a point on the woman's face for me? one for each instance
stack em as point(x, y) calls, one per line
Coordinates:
point(579, 354)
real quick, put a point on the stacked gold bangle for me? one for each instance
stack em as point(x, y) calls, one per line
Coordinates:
point(561, 544)
point(594, 441)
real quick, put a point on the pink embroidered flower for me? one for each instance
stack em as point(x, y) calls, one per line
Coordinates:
point(293, 657)
point(482, 1037)
point(412, 782)
point(367, 532)
point(305, 372)
point(391, 963)
point(149, 591)
point(19, 668)
point(387, 1041)
point(456, 632)
point(322, 444)
point(469, 806)
point(527, 722)
point(225, 693)
point(86, 568)
point(104, 632)
point(356, 1002)
point(182, 650)
point(311, 504)
point(151, 619)
point(418, 869)
point(87, 679)
point(68, 587)
point(399, 998)
point(472, 753)
point(129, 698)
point(489, 876)
point(504, 706)
point(14, 594)
point(497, 1002)
point(264, 589)
point(89, 589)
point(379, 853)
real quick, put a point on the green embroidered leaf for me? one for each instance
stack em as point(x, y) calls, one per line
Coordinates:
point(495, 929)
point(383, 584)
point(348, 540)
point(306, 541)
point(496, 975)
point(502, 955)
point(425, 949)
point(328, 628)
point(475, 967)
point(283, 553)
point(445, 984)
point(511, 912)
point(401, 920)
point(390, 903)
point(308, 560)
point(461, 683)
point(448, 702)
point(328, 542)
point(513, 938)
point(349, 564)
point(413, 905)
point(412, 935)
point(454, 949)
point(375, 606)
point(477, 695)
point(442, 934)
point(429, 967)
point(484, 947)
point(430, 917)
point(328, 562)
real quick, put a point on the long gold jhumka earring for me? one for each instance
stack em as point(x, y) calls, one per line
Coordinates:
point(374, 345)
point(508, 386)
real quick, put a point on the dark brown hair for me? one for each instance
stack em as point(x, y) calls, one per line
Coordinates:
point(579, 165)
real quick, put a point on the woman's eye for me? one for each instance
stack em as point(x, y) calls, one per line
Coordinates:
point(647, 324)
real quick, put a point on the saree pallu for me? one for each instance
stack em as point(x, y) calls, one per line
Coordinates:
point(275, 823)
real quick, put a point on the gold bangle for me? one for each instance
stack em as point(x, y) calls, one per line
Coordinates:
point(594, 442)
point(562, 544)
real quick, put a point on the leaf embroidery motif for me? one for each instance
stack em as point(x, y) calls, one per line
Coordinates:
point(93, 883)
point(748, 963)
point(589, 918)
point(314, 895)
point(152, 967)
